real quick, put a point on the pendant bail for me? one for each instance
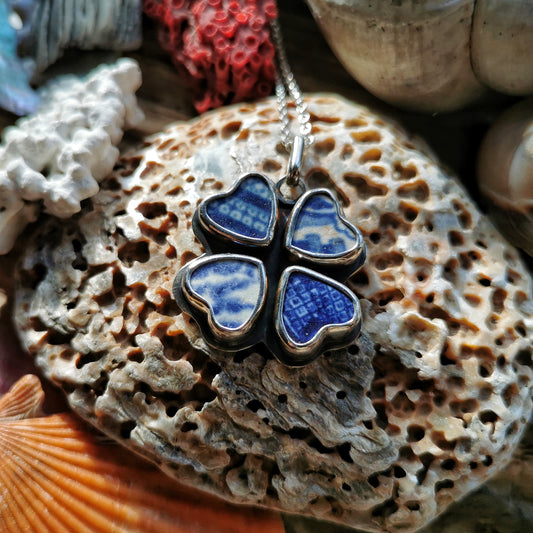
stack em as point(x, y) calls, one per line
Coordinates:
point(295, 161)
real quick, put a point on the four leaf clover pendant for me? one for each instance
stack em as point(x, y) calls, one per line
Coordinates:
point(273, 272)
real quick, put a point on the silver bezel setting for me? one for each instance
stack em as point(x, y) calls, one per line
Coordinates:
point(221, 332)
point(335, 332)
point(208, 224)
point(345, 258)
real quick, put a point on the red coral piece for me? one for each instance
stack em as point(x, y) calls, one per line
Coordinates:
point(222, 47)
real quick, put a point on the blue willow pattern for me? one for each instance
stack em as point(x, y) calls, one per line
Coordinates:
point(295, 312)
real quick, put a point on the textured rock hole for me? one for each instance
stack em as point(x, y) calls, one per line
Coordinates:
point(398, 472)
point(455, 238)
point(152, 210)
point(382, 420)
point(186, 257)
point(520, 329)
point(448, 464)
point(365, 189)
point(447, 356)
point(485, 392)
point(382, 298)
point(485, 370)
point(373, 480)
point(523, 357)
point(487, 460)
point(367, 136)
point(126, 428)
point(444, 484)
point(175, 191)
point(418, 191)
point(282, 398)
point(509, 394)
point(512, 429)
point(375, 237)
point(498, 299)
point(374, 154)
point(386, 509)
point(341, 395)
point(465, 218)
point(388, 260)
point(324, 147)
point(243, 135)
point(112, 184)
point(37, 324)
point(255, 405)
point(484, 282)
point(134, 251)
point(355, 122)
point(409, 212)
point(317, 178)
point(302, 385)
point(344, 452)
point(378, 170)
point(438, 438)
point(90, 357)
point(353, 349)
point(488, 417)
point(271, 166)
point(136, 355)
point(171, 410)
point(360, 279)
point(346, 487)
point(346, 152)
point(231, 129)
point(56, 338)
point(407, 172)
point(512, 276)
point(461, 407)
point(31, 278)
point(415, 433)
point(426, 459)
point(188, 426)
point(402, 404)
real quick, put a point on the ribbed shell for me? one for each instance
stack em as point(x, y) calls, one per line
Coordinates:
point(58, 476)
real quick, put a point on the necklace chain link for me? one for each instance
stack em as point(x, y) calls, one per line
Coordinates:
point(286, 85)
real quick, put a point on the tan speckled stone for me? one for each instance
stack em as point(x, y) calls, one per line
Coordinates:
point(383, 435)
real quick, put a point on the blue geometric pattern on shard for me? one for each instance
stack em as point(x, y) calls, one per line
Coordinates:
point(232, 288)
point(247, 211)
point(320, 230)
point(310, 304)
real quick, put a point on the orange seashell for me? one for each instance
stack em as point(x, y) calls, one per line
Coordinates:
point(24, 400)
point(56, 475)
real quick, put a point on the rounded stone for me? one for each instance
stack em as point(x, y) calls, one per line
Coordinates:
point(425, 405)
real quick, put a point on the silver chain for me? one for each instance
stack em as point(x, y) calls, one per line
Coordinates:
point(286, 85)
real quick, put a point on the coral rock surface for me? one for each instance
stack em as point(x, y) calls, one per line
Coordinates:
point(222, 47)
point(58, 156)
point(383, 435)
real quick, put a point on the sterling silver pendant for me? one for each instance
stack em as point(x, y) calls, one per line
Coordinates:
point(273, 272)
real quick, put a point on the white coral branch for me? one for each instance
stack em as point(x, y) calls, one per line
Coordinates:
point(59, 155)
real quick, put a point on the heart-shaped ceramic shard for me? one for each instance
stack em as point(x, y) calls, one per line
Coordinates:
point(228, 290)
point(315, 312)
point(246, 214)
point(317, 231)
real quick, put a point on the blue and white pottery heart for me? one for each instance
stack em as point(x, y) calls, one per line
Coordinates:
point(313, 310)
point(228, 290)
point(317, 231)
point(246, 214)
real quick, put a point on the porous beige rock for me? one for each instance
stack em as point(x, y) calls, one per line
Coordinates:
point(383, 435)
point(57, 156)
